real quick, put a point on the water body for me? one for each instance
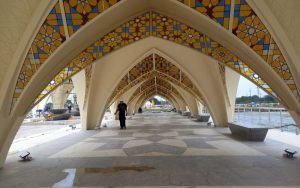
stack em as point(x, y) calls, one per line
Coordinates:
point(267, 119)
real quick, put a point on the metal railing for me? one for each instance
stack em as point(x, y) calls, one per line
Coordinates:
point(267, 117)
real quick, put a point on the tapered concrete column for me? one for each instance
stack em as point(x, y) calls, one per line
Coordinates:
point(113, 109)
point(190, 100)
point(79, 81)
point(181, 103)
point(58, 97)
point(176, 105)
point(131, 106)
point(296, 116)
point(232, 83)
point(138, 103)
point(200, 107)
point(9, 127)
point(142, 98)
point(27, 20)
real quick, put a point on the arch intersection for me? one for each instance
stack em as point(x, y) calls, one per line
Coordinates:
point(153, 84)
point(154, 65)
point(176, 32)
point(244, 24)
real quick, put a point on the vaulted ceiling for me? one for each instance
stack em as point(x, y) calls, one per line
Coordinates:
point(155, 72)
point(244, 24)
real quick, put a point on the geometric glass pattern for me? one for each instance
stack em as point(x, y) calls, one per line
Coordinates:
point(79, 12)
point(145, 66)
point(277, 61)
point(164, 84)
point(224, 56)
point(133, 30)
point(217, 10)
point(246, 26)
point(166, 67)
point(249, 28)
point(172, 30)
point(113, 41)
point(148, 83)
point(253, 33)
point(49, 37)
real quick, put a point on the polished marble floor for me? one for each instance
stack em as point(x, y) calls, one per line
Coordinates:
point(156, 150)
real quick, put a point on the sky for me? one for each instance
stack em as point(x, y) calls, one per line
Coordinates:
point(245, 86)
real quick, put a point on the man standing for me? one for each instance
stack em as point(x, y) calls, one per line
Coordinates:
point(122, 109)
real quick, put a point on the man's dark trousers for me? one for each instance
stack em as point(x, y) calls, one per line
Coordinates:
point(122, 122)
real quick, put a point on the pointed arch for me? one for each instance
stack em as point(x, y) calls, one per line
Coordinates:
point(207, 46)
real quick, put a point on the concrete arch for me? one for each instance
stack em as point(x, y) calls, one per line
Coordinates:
point(208, 82)
point(132, 105)
point(285, 41)
point(182, 95)
point(121, 88)
point(190, 101)
point(185, 2)
point(155, 87)
point(60, 58)
point(170, 96)
point(155, 79)
point(181, 104)
point(101, 89)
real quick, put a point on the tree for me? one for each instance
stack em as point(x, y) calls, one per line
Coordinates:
point(256, 99)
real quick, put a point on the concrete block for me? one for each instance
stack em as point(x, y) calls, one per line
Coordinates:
point(248, 133)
